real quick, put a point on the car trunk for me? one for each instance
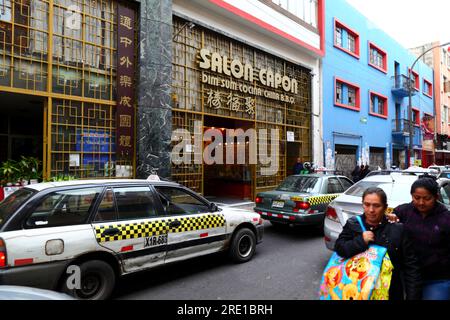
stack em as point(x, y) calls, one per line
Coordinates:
point(280, 200)
point(347, 207)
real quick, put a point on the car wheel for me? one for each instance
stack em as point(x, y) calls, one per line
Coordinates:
point(243, 245)
point(97, 281)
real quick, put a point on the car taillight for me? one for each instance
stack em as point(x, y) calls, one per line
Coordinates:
point(331, 214)
point(2, 254)
point(258, 200)
point(301, 205)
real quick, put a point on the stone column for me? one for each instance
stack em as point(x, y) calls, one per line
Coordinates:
point(154, 114)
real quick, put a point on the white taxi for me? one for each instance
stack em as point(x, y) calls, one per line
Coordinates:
point(79, 236)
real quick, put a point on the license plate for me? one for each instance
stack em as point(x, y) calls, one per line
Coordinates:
point(278, 204)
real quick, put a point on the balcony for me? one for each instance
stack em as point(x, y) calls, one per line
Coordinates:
point(400, 87)
point(400, 132)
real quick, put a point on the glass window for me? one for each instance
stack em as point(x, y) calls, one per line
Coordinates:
point(351, 97)
point(334, 186)
point(339, 92)
point(107, 208)
point(300, 184)
point(346, 183)
point(177, 201)
point(64, 208)
point(338, 36)
point(5, 10)
point(9, 205)
point(445, 194)
point(134, 203)
point(351, 43)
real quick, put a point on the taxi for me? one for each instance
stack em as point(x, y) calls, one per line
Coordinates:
point(80, 236)
point(301, 199)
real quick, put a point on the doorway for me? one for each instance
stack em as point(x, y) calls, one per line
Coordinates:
point(345, 159)
point(225, 182)
point(21, 127)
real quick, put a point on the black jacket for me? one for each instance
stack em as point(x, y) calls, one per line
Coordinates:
point(406, 274)
point(431, 238)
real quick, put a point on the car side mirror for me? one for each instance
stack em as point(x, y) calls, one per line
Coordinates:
point(213, 207)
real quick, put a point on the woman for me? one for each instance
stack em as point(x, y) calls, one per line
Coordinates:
point(353, 240)
point(427, 223)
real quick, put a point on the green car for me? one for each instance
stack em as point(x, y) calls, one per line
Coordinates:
point(301, 199)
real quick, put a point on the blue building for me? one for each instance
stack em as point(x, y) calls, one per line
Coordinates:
point(365, 95)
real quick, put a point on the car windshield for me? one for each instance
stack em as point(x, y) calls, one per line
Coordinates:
point(299, 184)
point(396, 192)
point(12, 202)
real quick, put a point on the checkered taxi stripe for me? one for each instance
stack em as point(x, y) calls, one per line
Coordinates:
point(316, 200)
point(157, 227)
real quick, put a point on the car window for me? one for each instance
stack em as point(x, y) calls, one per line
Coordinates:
point(177, 201)
point(300, 184)
point(334, 186)
point(358, 188)
point(445, 175)
point(107, 209)
point(134, 203)
point(444, 192)
point(346, 183)
point(9, 205)
point(64, 208)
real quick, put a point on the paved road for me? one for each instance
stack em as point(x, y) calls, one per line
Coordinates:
point(287, 266)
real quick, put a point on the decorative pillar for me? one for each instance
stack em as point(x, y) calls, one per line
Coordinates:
point(154, 112)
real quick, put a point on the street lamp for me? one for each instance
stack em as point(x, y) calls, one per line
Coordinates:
point(410, 87)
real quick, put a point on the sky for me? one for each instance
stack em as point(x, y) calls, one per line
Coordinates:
point(411, 22)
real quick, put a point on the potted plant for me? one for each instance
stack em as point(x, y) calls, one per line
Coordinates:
point(10, 171)
point(29, 167)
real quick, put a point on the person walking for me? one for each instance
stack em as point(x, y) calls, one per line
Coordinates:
point(353, 241)
point(298, 167)
point(355, 173)
point(427, 222)
point(364, 171)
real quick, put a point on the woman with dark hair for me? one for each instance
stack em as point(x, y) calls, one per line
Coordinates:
point(427, 223)
point(354, 240)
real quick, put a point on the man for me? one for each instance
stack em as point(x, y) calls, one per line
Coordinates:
point(298, 167)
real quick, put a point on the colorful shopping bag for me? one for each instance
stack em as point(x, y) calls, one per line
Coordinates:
point(365, 276)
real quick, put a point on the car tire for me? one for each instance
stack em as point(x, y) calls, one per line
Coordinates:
point(97, 281)
point(243, 245)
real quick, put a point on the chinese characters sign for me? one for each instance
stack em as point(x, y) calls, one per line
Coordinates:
point(217, 100)
point(125, 81)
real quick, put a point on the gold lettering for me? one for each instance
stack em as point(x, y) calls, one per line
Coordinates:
point(125, 81)
point(126, 41)
point(125, 61)
point(125, 101)
point(126, 22)
point(125, 141)
point(125, 121)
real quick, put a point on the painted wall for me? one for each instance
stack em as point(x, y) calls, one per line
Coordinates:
point(359, 127)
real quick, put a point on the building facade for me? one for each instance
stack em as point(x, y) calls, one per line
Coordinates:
point(97, 88)
point(365, 90)
point(439, 59)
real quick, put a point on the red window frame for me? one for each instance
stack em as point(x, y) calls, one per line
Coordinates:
point(357, 106)
point(416, 80)
point(339, 24)
point(417, 113)
point(430, 88)
point(383, 54)
point(385, 102)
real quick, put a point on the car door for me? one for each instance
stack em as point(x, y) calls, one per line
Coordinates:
point(55, 228)
point(193, 229)
point(127, 223)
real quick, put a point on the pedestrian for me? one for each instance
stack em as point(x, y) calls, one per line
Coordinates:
point(364, 171)
point(427, 222)
point(298, 166)
point(355, 173)
point(406, 276)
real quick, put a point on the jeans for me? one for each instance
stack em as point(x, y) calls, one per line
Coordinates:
point(436, 290)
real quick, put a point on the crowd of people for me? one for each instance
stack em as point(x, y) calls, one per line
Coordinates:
point(417, 238)
point(360, 172)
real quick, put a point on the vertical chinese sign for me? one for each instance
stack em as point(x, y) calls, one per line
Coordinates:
point(125, 82)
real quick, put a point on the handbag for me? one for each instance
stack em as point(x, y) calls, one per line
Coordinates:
point(365, 276)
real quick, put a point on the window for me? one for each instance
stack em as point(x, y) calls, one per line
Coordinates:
point(346, 183)
point(378, 105)
point(177, 201)
point(299, 184)
point(12, 202)
point(107, 208)
point(306, 10)
point(427, 88)
point(346, 39)
point(64, 208)
point(334, 186)
point(134, 203)
point(444, 193)
point(5, 10)
point(416, 116)
point(377, 58)
point(444, 115)
point(347, 95)
point(415, 77)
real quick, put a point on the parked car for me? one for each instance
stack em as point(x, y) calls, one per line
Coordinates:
point(397, 186)
point(301, 199)
point(28, 293)
point(101, 230)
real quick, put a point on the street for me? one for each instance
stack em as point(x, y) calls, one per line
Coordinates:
point(288, 265)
